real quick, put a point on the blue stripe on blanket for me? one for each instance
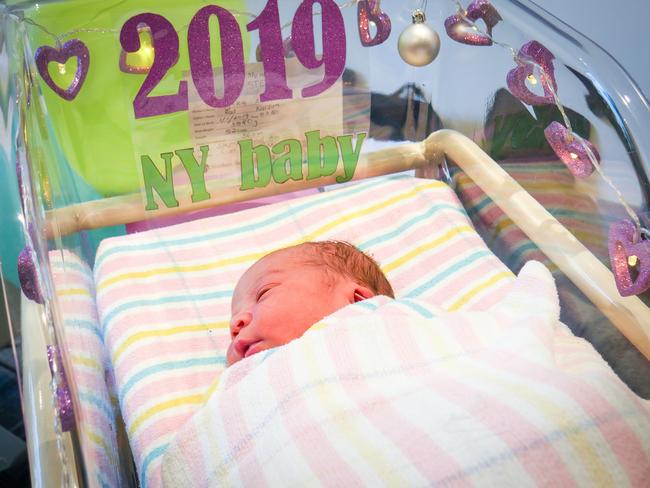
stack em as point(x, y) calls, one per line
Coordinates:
point(416, 307)
point(85, 324)
point(170, 365)
point(162, 301)
point(447, 272)
point(87, 397)
point(408, 224)
point(152, 456)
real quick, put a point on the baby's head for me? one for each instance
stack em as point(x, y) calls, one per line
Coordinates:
point(286, 292)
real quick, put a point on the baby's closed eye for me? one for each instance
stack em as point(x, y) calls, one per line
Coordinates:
point(261, 293)
point(264, 290)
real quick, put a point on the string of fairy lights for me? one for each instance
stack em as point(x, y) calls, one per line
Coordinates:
point(57, 38)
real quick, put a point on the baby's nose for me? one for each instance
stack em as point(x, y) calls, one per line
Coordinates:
point(238, 322)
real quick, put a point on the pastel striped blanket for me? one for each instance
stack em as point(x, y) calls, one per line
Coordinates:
point(394, 393)
point(163, 296)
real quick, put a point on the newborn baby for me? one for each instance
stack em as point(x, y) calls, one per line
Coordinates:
point(286, 292)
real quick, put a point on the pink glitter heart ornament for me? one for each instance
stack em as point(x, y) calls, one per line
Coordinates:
point(571, 149)
point(516, 79)
point(460, 30)
point(370, 11)
point(47, 54)
point(625, 245)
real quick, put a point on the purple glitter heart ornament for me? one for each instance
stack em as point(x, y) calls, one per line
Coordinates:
point(63, 397)
point(370, 11)
point(47, 54)
point(538, 54)
point(626, 249)
point(460, 30)
point(28, 276)
point(571, 149)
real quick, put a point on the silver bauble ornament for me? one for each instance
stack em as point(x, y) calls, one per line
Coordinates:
point(418, 44)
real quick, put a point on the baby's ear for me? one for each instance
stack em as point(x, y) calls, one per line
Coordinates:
point(362, 293)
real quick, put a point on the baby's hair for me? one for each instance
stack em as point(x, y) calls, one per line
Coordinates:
point(344, 259)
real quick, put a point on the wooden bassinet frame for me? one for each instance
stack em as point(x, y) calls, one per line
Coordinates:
point(629, 314)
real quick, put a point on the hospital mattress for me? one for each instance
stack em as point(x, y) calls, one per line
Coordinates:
point(163, 296)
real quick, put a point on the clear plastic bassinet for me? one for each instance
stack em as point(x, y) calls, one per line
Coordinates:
point(138, 115)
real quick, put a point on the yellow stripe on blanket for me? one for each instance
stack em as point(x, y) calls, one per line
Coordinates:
point(161, 407)
point(503, 275)
point(145, 334)
point(89, 362)
point(373, 208)
point(504, 223)
point(427, 246)
point(553, 187)
point(99, 441)
point(178, 269)
point(73, 291)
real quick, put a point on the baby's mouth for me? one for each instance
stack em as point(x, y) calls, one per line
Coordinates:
point(252, 349)
point(248, 347)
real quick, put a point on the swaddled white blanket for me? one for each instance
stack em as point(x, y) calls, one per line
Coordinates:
point(390, 392)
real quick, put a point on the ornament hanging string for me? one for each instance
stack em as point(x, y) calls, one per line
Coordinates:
point(98, 30)
point(515, 55)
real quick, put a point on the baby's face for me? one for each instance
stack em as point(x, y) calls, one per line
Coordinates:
point(278, 299)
